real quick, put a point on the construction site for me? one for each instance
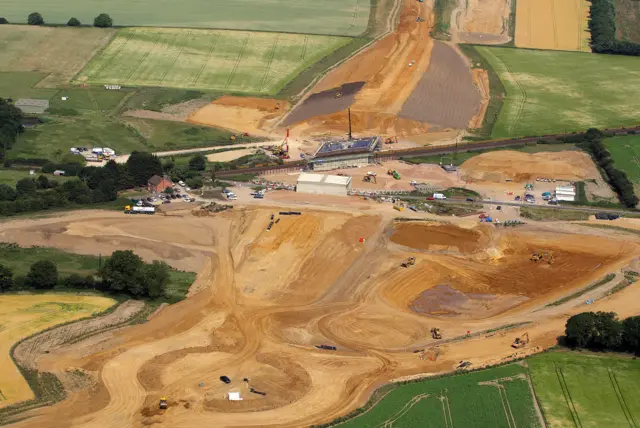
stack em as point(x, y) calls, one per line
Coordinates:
point(299, 313)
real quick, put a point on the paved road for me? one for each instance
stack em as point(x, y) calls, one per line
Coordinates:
point(524, 204)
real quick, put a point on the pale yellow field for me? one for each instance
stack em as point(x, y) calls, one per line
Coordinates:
point(23, 315)
point(552, 24)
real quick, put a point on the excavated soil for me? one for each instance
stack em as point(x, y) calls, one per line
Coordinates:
point(430, 237)
point(524, 167)
point(243, 114)
point(269, 298)
point(446, 96)
point(325, 102)
point(485, 22)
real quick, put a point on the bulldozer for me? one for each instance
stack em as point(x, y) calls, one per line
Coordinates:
point(409, 262)
point(543, 256)
point(520, 342)
point(435, 333)
point(163, 403)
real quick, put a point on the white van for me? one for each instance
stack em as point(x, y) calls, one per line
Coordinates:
point(232, 196)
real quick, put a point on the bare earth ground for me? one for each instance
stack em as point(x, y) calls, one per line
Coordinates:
point(485, 22)
point(269, 297)
point(552, 24)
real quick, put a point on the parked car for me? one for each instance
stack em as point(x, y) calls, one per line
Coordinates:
point(181, 183)
point(499, 207)
point(469, 199)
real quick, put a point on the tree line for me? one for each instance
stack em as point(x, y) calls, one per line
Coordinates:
point(591, 141)
point(123, 272)
point(603, 331)
point(602, 24)
point(101, 21)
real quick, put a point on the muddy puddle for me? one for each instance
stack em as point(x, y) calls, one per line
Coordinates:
point(425, 237)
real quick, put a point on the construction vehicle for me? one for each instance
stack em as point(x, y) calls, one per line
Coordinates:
point(395, 174)
point(520, 342)
point(163, 403)
point(391, 140)
point(435, 333)
point(327, 347)
point(139, 210)
point(371, 177)
point(338, 95)
point(409, 262)
point(543, 256)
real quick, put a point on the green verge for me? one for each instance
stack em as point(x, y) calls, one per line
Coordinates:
point(497, 91)
point(585, 290)
point(625, 152)
point(442, 10)
point(586, 389)
point(550, 214)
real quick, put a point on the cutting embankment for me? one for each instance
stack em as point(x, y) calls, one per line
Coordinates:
point(268, 298)
point(398, 74)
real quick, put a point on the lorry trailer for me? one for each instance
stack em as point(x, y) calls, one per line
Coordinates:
point(139, 210)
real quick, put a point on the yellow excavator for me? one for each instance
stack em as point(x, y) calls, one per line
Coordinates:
point(520, 342)
point(163, 403)
point(543, 256)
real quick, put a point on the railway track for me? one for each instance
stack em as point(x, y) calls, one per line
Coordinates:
point(418, 151)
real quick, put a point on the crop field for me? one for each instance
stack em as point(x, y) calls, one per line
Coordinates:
point(23, 315)
point(587, 390)
point(551, 92)
point(57, 53)
point(497, 397)
point(207, 59)
point(335, 17)
point(552, 24)
point(628, 20)
point(625, 152)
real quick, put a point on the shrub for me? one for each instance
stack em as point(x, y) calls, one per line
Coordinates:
point(43, 275)
point(3, 20)
point(73, 22)
point(103, 21)
point(35, 19)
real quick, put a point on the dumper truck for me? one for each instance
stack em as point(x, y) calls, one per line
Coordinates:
point(139, 210)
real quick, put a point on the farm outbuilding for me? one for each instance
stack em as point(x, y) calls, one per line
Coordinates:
point(323, 184)
point(157, 184)
point(32, 106)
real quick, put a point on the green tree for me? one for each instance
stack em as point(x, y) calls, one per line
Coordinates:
point(631, 334)
point(73, 22)
point(7, 193)
point(142, 166)
point(42, 275)
point(194, 183)
point(123, 272)
point(198, 162)
point(26, 186)
point(42, 182)
point(6, 278)
point(3, 20)
point(156, 278)
point(169, 190)
point(103, 21)
point(35, 19)
point(10, 123)
point(601, 330)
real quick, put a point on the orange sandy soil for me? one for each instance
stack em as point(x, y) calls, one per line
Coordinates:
point(484, 21)
point(268, 297)
point(389, 80)
point(243, 114)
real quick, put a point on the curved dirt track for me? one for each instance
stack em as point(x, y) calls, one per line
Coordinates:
point(267, 298)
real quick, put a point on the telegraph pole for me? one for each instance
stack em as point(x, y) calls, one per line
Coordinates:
point(349, 112)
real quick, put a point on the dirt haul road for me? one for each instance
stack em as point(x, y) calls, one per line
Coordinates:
point(269, 297)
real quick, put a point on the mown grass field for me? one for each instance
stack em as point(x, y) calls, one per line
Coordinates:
point(625, 152)
point(23, 315)
point(552, 92)
point(587, 390)
point(57, 53)
point(232, 61)
point(497, 397)
point(339, 17)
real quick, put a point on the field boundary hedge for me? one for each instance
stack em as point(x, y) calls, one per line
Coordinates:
point(602, 25)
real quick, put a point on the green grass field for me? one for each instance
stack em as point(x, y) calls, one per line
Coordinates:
point(551, 91)
point(339, 17)
point(232, 61)
point(497, 397)
point(587, 390)
point(11, 176)
point(625, 152)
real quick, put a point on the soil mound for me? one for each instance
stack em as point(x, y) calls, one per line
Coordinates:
point(426, 237)
point(517, 166)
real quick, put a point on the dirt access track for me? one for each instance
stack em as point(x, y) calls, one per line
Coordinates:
point(267, 298)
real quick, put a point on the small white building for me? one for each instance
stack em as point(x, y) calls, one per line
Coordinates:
point(566, 193)
point(234, 396)
point(321, 184)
